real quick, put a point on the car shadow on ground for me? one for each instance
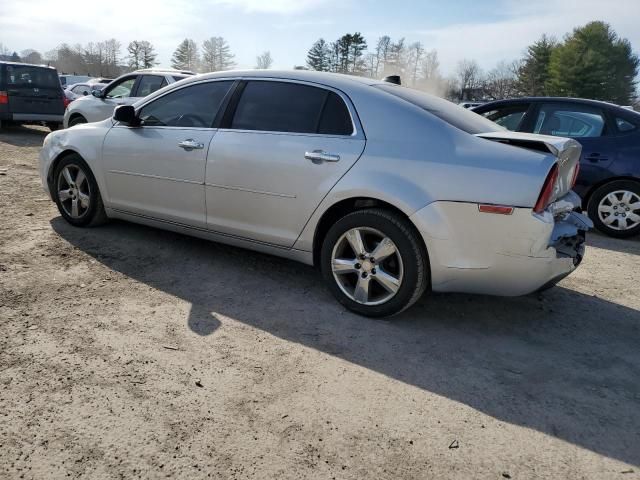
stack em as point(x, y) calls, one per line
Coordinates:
point(622, 245)
point(20, 136)
point(563, 363)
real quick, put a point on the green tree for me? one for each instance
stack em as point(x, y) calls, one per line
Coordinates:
point(533, 75)
point(186, 56)
point(141, 54)
point(594, 62)
point(318, 56)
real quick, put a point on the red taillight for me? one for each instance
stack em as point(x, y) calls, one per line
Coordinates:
point(547, 190)
point(576, 171)
point(499, 209)
point(65, 100)
point(4, 97)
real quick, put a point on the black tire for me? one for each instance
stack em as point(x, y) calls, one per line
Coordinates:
point(413, 256)
point(77, 120)
point(53, 126)
point(601, 193)
point(94, 214)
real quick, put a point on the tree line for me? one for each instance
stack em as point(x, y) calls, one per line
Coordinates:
point(590, 62)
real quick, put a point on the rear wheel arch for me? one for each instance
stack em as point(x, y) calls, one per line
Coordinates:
point(344, 207)
point(77, 116)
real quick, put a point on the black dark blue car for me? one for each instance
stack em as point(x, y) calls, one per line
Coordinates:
point(609, 178)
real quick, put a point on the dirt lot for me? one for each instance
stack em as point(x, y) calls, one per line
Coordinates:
point(130, 352)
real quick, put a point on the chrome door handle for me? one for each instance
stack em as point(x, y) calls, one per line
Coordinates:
point(190, 144)
point(319, 156)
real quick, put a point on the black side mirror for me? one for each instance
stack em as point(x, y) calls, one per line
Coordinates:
point(126, 114)
point(97, 93)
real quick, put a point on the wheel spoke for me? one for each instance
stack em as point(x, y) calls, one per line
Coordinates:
point(355, 240)
point(64, 195)
point(634, 217)
point(389, 282)
point(67, 175)
point(74, 207)
point(610, 219)
point(385, 249)
point(606, 209)
point(361, 293)
point(634, 206)
point(80, 178)
point(622, 223)
point(626, 197)
point(343, 265)
point(84, 199)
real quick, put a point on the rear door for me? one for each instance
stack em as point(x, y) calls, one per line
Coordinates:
point(281, 147)
point(33, 92)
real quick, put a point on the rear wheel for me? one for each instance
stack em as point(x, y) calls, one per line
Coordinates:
point(76, 193)
point(374, 263)
point(77, 120)
point(615, 208)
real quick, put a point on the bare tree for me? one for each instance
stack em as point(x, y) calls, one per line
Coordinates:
point(31, 56)
point(264, 61)
point(141, 54)
point(382, 54)
point(501, 81)
point(416, 51)
point(216, 55)
point(468, 76)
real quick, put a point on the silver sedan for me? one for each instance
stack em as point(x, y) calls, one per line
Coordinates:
point(388, 191)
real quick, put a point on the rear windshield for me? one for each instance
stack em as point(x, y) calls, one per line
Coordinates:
point(32, 77)
point(451, 113)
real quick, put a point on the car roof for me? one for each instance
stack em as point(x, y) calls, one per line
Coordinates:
point(5, 62)
point(164, 70)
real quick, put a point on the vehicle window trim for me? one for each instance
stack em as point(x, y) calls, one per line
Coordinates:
point(357, 132)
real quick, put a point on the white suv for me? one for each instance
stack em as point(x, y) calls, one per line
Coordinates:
point(124, 90)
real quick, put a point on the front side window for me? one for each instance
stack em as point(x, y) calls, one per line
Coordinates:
point(291, 107)
point(195, 106)
point(507, 117)
point(149, 84)
point(122, 89)
point(579, 121)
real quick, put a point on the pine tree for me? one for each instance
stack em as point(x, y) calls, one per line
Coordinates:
point(216, 55)
point(318, 57)
point(148, 54)
point(186, 56)
point(534, 72)
point(594, 62)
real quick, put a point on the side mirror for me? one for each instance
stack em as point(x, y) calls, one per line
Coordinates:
point(85, 93)
point(97, 93)
point(127, 115)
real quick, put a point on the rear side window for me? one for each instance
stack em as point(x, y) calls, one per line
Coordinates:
point(291, 107)
point(624, 126)
point(31, 77)
point(195, 106)
point(508, 117)
point(576, 121)
point(149, 84)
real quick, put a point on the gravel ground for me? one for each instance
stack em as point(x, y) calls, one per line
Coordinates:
point(129, 352)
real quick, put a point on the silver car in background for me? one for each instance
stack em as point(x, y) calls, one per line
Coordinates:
point(387, 190)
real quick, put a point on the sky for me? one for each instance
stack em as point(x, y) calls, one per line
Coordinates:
point(488, 30)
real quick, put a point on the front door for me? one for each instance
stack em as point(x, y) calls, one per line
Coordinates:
point(285, 146)
point(158, 169)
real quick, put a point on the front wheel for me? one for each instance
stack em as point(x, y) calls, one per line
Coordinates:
point(615, 208)
point(374, 262)
point(76, 193)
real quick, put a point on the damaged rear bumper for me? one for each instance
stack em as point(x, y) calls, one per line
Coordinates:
point(507, 255)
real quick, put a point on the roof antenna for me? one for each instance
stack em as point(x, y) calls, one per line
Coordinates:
point(395, 79)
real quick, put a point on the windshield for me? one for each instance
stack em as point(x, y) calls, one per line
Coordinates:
point(451, 113)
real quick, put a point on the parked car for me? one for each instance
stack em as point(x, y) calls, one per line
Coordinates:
point(609, 179)
point(124, 90)
point(30, 94)
point(78, 90)
point(388, 190)
point(66, 80)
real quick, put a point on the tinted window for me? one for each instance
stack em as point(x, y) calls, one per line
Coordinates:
point(569, 121)
point(122, 89)
point(508, 117)
point(149, 84)
point(279, 107)
point(335, 119)
point(451, 113)
point(194, 106)
point(624, 125)
point(32, 77)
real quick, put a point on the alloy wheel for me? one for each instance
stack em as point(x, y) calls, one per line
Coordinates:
point(74, 191)
point(367, 266)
